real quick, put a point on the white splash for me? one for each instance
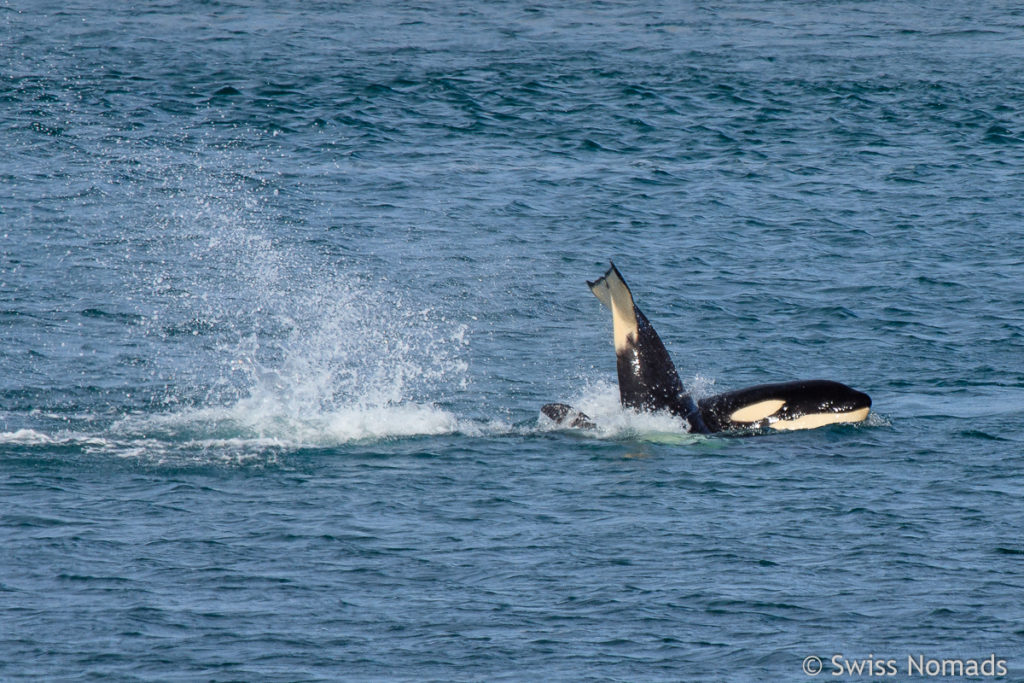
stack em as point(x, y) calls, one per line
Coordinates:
point(273, 341)
point(600, 401)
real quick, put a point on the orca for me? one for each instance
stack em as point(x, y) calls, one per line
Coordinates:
point(649, 382)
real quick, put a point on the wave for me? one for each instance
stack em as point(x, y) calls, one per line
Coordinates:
point(246, 432)
point(27, 437)
point(259, 422)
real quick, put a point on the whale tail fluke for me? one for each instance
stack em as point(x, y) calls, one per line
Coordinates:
point(648, 380)
point(611, 287)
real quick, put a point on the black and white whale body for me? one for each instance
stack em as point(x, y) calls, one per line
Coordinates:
point(648, 382)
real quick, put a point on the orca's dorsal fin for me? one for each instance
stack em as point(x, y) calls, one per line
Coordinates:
point(648, 380)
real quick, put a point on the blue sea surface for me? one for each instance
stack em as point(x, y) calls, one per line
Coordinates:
point(284, 285)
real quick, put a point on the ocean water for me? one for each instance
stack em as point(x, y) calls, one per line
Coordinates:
point(283, 286)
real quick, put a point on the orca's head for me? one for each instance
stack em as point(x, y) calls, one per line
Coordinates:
point(822, 396)
point(818, 403)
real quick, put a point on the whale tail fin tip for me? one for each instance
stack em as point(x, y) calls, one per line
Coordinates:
point(611, 287)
